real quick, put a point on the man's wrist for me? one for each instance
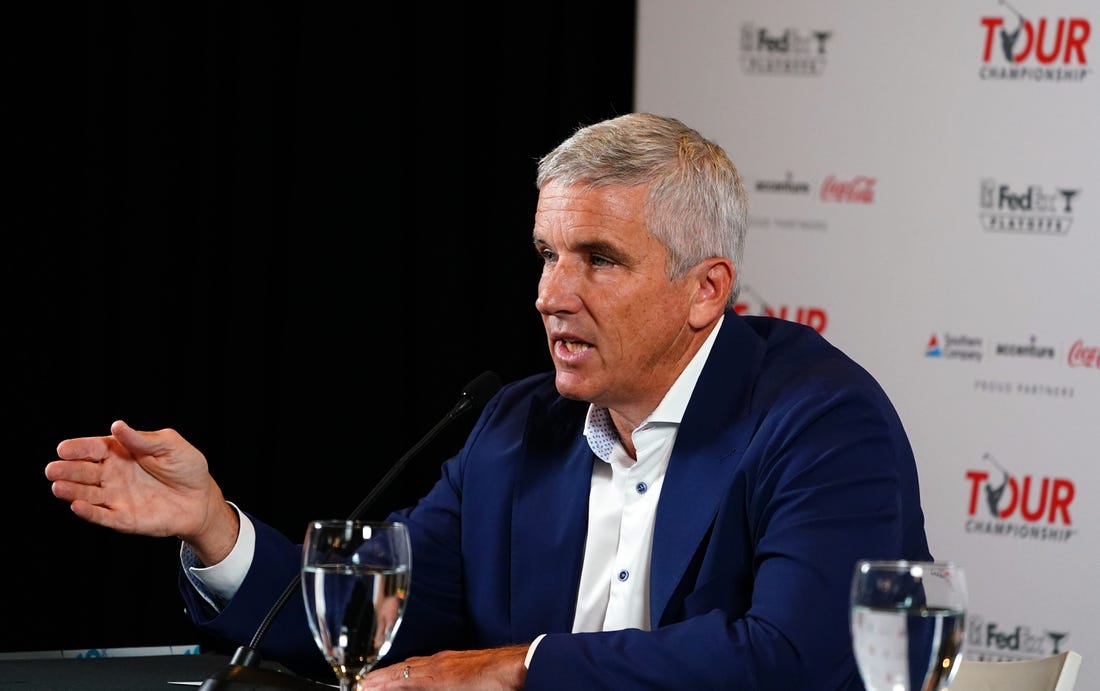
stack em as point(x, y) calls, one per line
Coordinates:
point(218, 541)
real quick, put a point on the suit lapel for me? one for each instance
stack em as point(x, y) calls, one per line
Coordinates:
point(550, 502)
point(716, 428)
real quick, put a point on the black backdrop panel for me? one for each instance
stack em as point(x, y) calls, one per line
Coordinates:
point(291, 231)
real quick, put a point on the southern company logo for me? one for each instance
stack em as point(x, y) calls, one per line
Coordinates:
point(1039, 49)
point(1030, 210)
point(1024, 507)
point(954, 347)
point(783, 52)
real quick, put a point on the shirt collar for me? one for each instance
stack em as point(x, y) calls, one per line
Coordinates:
point(600, 431)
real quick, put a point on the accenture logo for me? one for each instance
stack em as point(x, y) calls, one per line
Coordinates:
point(1030, 350)
point(783, 52)
point(788, 185)
point(1030, 209)
point(1034, 49)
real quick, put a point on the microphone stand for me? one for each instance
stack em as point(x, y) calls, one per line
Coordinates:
point(244, 672)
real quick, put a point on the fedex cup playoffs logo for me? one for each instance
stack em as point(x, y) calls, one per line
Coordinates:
point(783, 52)
point(1028, 507)
point(1000, 640)
point(1016, 47)
point(1029, 209)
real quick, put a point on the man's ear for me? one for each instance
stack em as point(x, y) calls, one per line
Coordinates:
point(713, 282)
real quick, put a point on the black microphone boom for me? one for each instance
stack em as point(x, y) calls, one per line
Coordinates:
point(244, 671)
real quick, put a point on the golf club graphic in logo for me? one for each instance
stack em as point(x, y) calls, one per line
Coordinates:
point(751, 303)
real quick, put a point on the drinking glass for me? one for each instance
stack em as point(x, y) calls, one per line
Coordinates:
point(908, 623)
point(355, 577)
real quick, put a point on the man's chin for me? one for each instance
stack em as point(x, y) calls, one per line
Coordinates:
point(571, 385)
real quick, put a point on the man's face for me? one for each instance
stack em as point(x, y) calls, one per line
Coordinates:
point(617, 327)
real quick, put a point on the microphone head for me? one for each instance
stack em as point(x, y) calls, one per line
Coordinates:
point(481, 388)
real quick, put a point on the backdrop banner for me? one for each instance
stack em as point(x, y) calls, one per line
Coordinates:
point(922, 182)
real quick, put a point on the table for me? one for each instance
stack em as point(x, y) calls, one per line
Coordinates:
point(117, 673)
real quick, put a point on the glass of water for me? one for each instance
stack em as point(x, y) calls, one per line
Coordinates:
point(355, 578)
point(908, 621)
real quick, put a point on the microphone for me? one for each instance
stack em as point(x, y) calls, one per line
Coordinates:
point(244, 671)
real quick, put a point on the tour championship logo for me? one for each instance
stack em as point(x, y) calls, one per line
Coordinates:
point(954, 346)
point(1024, 507)
point(1030, 209)
point(997, 641)
point(783, 52)
point(750, 303)
point(1034, 48)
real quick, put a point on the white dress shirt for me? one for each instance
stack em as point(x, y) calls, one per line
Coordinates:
point(622, 505)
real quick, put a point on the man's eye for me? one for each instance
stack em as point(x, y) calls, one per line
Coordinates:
point(601, 261)
point(547, 255)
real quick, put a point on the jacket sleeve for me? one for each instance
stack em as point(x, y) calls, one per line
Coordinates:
point(288, 641)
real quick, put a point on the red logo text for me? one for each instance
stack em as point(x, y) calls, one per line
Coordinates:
point(1045, 40)
point(1081, 355)
point(860, 190)
point(813, 317)
point(1031, 499)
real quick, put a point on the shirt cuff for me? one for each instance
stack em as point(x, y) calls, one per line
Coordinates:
point(531, 651)
point(217, 584)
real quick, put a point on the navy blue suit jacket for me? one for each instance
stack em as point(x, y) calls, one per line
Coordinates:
point(789, 466)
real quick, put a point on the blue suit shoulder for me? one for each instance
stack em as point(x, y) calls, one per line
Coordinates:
point(796, 356)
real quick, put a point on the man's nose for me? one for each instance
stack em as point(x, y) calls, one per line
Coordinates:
point(558, 289)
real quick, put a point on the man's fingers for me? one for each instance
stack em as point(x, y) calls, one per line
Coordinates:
point(81, 472)
point(140, 443)
point(98, 515)
point(89, 448)
point(77, 491)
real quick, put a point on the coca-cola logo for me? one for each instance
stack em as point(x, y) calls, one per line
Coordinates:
point(858, 190)
point(1081, 355)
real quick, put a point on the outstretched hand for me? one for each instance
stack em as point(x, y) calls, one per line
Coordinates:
point(145, 483)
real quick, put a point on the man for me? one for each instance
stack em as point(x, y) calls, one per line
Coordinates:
point(679, 504)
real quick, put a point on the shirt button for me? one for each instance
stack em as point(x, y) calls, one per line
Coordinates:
point(641, 487)
point(623, 575)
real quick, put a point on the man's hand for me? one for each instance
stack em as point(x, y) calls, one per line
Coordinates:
point(145, 483)
point(495, 668)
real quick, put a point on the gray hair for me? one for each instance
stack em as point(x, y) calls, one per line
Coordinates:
point(696, 206)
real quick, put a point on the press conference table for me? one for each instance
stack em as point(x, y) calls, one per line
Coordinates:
point(111, 673)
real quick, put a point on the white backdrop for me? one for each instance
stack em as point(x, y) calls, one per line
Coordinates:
point(930, 207)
